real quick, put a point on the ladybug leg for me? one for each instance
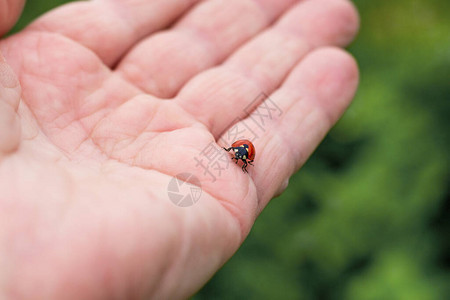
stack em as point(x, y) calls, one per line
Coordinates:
point(244, 166)
point(228, 150)
point(250, 162)
point(235, 159)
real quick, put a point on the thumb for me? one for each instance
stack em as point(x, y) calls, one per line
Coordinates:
point(10, 91)
point(9, 13)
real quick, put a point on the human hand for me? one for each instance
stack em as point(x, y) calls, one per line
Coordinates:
point(113, 105)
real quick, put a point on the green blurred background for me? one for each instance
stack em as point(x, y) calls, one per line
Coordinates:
point(368, 216)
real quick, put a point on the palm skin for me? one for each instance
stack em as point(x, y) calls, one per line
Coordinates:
point(107, 116)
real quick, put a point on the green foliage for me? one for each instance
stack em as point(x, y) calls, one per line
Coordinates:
point(368, 217)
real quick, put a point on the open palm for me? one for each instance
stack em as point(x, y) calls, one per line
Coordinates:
point(118, 96)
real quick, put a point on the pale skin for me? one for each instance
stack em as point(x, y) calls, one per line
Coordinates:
point(102, 102)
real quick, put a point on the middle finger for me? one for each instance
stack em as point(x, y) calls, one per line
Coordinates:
point(162, 63)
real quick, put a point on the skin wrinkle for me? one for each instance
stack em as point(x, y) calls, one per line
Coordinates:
point(200, 36)
point(166, 271)
point(163, 269)
point(25, 107)
point(147, 17)
point(77, 122)
point(330, 116)
point(315, 110)
point(154, 84)
point(62, 116)
point(30, 129)
point(105, 116)
point(264, 11)
point(236, 201)
point(238, 213)
point(263, 195)
point(332, 83)
point(274, 123)
point(87, 61)
point(291, 34)
point(259, 86)
point(127, 80)
point(139, 156)
point(287, 35)
point(171, 263)
point(129, 142)
point(113, 148)
point(290, 6)
point(173, 266)
point(205, 39)
point(69, 123)
point(121, 14)
point(217, 258)
point(137, 68)
point(29, 73)
point(317, 30)
point(290, 155)
point(299, 159)
point(227, 78)
point(288, 142)
point(77, 150)
point(138, 134)
point(8, 79)
point(205, 33)
point(242, 225)
point(89, 133)
point(119, 10)
point(308, 48)
point(43, 27)
point(248, 77)
point(281, 27)
point(220, 200)
point(10, 121)
point(95, 128)
point(260, 193)
point(68, 183)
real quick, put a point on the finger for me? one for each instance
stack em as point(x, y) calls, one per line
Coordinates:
point(9, 102)
point(111, 27)
point(9, 13)
point(162, 63)
point(311, 100)
point(219, 96)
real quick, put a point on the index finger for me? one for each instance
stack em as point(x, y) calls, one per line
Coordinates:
point(111, 27)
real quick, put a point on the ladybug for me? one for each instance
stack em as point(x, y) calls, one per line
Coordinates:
point(243, 150)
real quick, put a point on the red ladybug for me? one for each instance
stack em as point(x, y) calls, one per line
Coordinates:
point(243, 150)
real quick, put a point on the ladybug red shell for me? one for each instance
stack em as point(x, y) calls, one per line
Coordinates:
point(243, 150)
